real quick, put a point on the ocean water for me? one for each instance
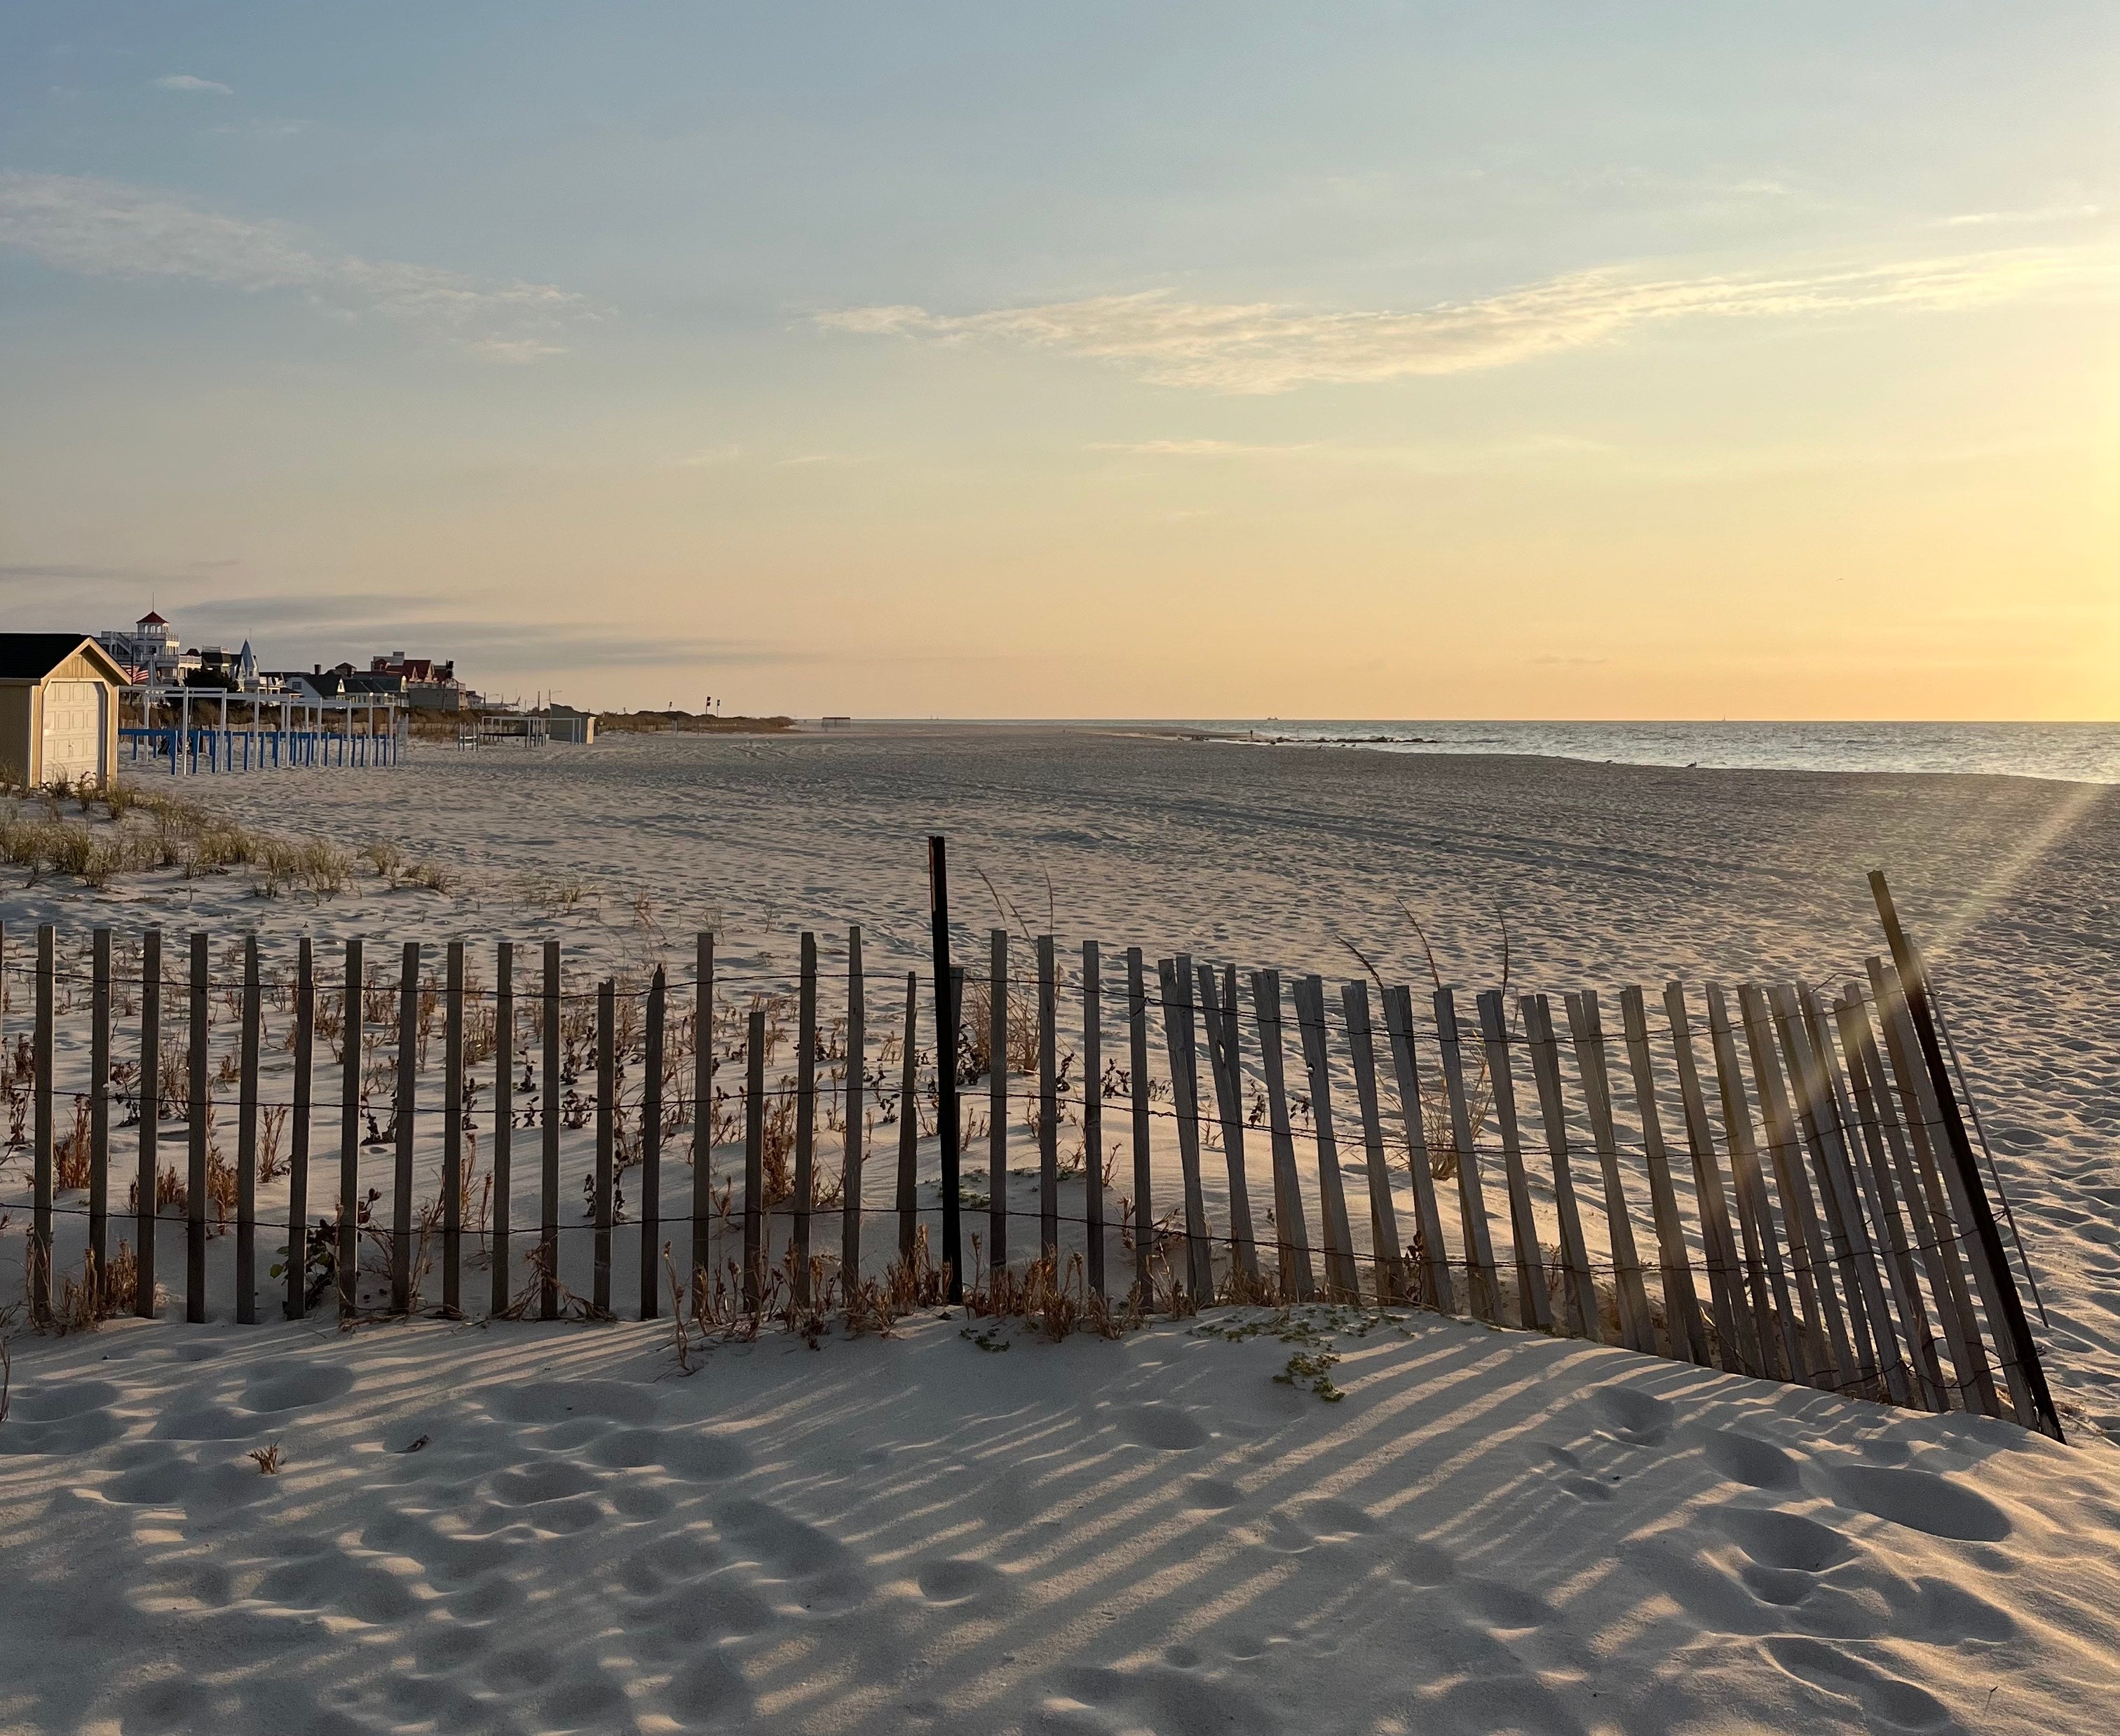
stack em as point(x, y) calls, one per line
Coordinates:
point(2080, 752)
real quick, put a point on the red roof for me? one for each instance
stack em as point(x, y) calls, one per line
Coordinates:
point(150, 619)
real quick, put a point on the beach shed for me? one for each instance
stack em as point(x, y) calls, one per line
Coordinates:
point(59, 708)
point(565, 724)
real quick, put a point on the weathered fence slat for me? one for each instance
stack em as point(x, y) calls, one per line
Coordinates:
point(1048, 1105)
point(1226, 1058)
point(1781, 1330)
point(548, 1119)
point(246, 1143)
point(1143, 1216)
point(453, 1121)
point(1384, 1246)
point(607, 1115)
point(98, 1265)
point(754, 1244)
point(703, 1113)
point(852, 1144)
point(1093, 1115)
point(1865, 1157)
point(40, 1209)
point(1682, 1302)
point(1826, 1136)
point(1436, 1290)
point(1832, 1355)
point(1534, 1311)
point(1180, 1040)
point(806, 1117)
point(909, 1124)
point(651, 1148)
point(504, 1121)
point(347, 1262)
point(1917, 1248)
point(1925, 1120)
point(196, 1114)
point(1740, 1313)
point(1583, 1317)
point(1482, 1282)
point(147, 1208)
point(1343, 1278)
point(997, 1101)
point(1296, 1279)
point(2026, 1375)
point(1587, 1032)
point(403, 1116)
point(297, 1271)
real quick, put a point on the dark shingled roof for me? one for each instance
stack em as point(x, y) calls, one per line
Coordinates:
point(33, 656)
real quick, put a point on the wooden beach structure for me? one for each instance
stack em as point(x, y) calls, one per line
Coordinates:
point(1770, 1180)
point(207, 729)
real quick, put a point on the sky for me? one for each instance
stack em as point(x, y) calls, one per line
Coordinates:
point(1211, 361)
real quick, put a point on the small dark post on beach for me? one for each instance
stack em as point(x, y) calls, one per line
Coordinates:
point(548, 1124)
point(195, 1111)
point(452, 1117)
point(606, 1063)
point(297, 1272)
point(150, 1092)
point(651, 1148)
point(946, 1060)
point(1913, 985)
point(98, 1111)
point(348, 1258)
point(246, 1143)
point(504, 1117)
point(40, 1212)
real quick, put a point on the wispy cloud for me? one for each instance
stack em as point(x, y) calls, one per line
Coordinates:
point(187, 82)
point(102, 228)
point(2036, 214)
point(1269, 347)
point(1200, 449)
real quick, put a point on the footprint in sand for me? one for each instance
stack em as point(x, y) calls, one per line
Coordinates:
point(1921, 1500)
point(294, 1388)
point(1883, 1697)
point(959, 1580)
point(1161, 1426)
point(1747, 1459)
point(1637, 1417)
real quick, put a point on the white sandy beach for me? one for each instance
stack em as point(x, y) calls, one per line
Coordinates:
point(1490, 1530)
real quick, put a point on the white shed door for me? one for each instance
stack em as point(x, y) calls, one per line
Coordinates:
point(73, 730)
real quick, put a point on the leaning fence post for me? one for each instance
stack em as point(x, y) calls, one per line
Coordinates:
point(1436, 1288)
point(908, 1199)
point(1755, 1219)
point(1294, 1279)
point(98, 1118)
point(1534, 1310)
point(607, 1109)
point(1738, 1323)
point(1049, 1107)
point(195, 1218)
point(401, 1117)
point(1682, 1302)
point(1384, 1250)
point(548, 1117)
point(997, 1103)
point(754, 1160)
point(347, 1263)
point(1143, 1222)
point(1580, 1311)
point(850, 1176)
point(147, 1206)
point(40, 1221)
point(1586, 1031)
point(1343, 1279)
point(806, 1116)
point(651, 1149)
point(504, 1121)
point(1481, 1281)
point(1225, 1057)
point(946, 1012)
point(453, 1112)
point(1992, 1265)
point(703, 1109)
point(298, 1132)
point(1184, 1090)
point(1093, 1115)
point(246, 1144)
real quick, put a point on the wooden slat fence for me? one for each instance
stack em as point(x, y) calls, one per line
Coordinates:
point(1797, 1202)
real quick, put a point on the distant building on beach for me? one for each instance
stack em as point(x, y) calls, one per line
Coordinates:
point(148, 651)
point(59, 708)
point(428, 685)
point(564, 723)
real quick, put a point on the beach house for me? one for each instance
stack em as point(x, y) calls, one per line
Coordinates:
point(59, 708)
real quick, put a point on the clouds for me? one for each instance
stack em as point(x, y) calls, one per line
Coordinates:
point(100, 228)
point(1261, 347)
point(187, 82)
